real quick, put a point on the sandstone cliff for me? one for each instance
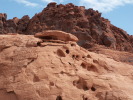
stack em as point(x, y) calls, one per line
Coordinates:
point(86, 24)
point(34, 69)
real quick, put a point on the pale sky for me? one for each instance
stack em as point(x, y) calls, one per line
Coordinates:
point(119, 12)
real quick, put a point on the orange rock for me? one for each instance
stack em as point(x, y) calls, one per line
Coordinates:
point(86, 24)
point(57, 35)
point(59, 71)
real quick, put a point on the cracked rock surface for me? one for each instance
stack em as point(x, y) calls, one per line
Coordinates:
point(32, 69)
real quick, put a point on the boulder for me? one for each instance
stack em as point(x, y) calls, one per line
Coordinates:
point(52, 4)
point(57, 35)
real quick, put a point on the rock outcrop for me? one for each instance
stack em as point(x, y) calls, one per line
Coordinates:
point(31, 69)
point(3, 18)
point(86, 24)
point(56, 35)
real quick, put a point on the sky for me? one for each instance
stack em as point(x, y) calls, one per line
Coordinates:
point(119, 12)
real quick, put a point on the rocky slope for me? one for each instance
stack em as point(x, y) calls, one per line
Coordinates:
point(34, 69)
point(86, 24)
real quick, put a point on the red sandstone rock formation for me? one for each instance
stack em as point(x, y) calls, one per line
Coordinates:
point(31, 69)
point(56, 35)
point(86, 24)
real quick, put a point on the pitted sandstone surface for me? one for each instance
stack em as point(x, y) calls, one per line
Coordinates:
point(31, 69)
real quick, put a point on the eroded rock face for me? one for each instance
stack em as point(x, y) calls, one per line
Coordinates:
point(3, 18)
point(31, 69)
point(14, 25)
point(86, 24)
point(22, 24)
